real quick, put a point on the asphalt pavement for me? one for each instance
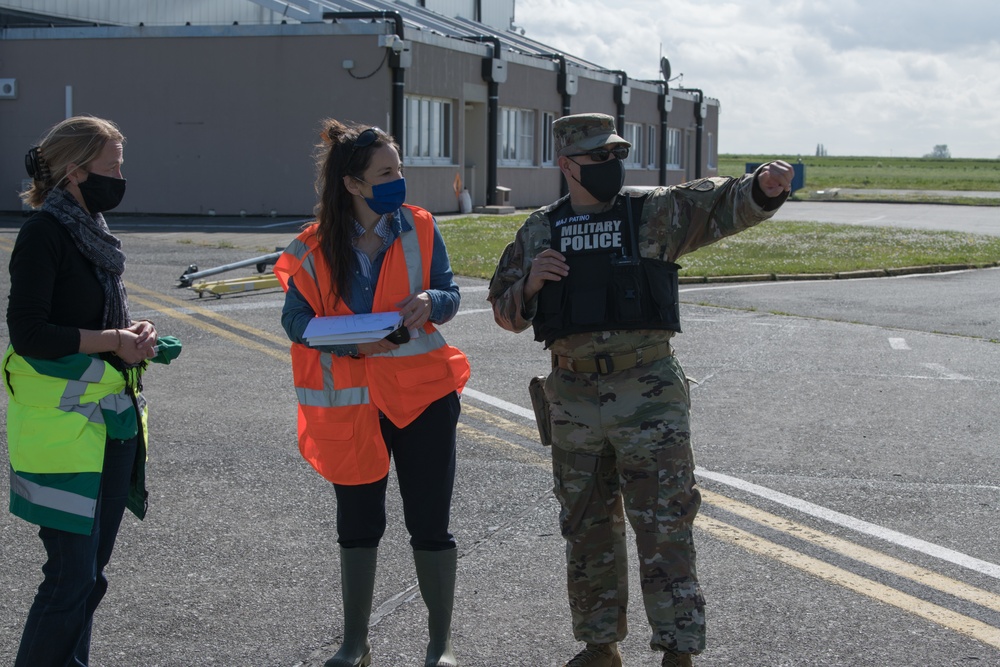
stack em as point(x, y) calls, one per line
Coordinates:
point(845, 433)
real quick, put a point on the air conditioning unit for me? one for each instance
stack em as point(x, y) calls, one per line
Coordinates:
point(8, 89)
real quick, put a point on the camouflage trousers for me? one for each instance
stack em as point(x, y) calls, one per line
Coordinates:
point(622, 448)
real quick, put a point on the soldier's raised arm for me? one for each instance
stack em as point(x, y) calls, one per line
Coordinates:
point(680, 219)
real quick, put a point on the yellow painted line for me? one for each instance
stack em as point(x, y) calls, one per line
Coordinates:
point(859, 553)
point(205, 312)
point(134, 289)
point(9, 247)
point(500, 422)
point(961, 624)
point(283, 356)
point(506, 446)
point(946, 618)
point(934, 613)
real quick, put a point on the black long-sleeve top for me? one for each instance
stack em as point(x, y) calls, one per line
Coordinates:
point(54, 291)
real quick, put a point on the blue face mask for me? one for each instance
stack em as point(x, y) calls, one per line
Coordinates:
point(387, 197)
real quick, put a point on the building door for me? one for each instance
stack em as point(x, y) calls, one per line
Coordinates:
point(475, 153)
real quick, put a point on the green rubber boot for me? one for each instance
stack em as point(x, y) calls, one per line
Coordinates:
point(436, 577)
point(357, 578)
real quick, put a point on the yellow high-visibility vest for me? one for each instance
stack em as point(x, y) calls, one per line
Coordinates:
point(60, 415)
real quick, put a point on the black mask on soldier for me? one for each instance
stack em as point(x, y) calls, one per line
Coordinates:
point(603, 180)
point(102, 193)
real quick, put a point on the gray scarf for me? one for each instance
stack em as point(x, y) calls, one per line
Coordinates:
point(96, 242)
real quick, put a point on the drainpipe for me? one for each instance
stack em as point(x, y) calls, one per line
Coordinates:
point(665, 104)
point(699, 115)
point(568, 86)
point(494, 72)
point(623, 93)
point(399, 60)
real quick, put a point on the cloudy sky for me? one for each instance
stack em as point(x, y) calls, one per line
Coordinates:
point(861, 77)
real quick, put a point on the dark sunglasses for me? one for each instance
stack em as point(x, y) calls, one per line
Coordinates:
point(602, 154)
point(364, 140)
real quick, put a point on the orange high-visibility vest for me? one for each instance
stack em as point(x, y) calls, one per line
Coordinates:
point(340, 397)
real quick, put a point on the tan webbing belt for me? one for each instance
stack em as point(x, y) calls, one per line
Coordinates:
point(612, 363)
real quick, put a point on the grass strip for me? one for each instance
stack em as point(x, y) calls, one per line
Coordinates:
point(881, 172)
point(476, 242)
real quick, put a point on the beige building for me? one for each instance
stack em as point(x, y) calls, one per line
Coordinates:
point(221, 101)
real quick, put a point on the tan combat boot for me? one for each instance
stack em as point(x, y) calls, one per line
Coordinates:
point(671, 659)
point(597, 655)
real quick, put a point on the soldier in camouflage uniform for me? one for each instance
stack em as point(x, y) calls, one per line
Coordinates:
point(594, 274)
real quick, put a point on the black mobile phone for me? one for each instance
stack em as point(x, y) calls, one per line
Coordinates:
point(399, 336)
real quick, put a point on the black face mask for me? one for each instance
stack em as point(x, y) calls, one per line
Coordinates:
point(603, 180)
point(102, 193)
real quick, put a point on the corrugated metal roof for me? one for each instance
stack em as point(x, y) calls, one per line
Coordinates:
point(134, 12)
point(266, 12)
point(418, 18)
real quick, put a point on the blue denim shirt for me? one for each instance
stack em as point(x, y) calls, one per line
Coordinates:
point(297, 313)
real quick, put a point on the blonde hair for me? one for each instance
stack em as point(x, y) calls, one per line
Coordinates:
point(77, 141)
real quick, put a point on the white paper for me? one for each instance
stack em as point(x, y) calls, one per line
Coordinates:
point(351, 329)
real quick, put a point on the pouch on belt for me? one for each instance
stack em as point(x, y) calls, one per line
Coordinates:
point(536, 390)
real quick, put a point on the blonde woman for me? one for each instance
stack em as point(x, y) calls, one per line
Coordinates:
point(75, 421)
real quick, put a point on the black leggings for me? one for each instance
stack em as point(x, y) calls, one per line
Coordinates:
point(424, 453)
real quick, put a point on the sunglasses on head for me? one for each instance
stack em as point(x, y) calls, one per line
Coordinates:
point(365, 139)
point(602, 154)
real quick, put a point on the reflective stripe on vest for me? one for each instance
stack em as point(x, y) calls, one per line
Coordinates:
point(297, 249)
point(328, 397)
point(73, 398)
point(411, 251)
point(427, 342)
point(52, 498)
point(60, 415)
point(342, 400)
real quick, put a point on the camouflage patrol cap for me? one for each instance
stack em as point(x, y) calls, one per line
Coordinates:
point(584, 132)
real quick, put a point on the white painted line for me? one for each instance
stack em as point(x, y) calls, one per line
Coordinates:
point(287, 224)
point(783, 325)
point(943, 553)
point(895, 537)
point(947, 373)
point(221, 306)
point(898, 344)
point(499, 403)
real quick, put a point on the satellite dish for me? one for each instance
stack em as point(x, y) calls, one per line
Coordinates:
point(665, 68)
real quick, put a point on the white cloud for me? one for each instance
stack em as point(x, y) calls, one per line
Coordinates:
point(896, 77)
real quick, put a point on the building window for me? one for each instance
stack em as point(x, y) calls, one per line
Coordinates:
point(517, 137)
point(633, 135)
point(428, 131)
point(548, 152)
point(711, 151)
point(673, 148)
point(651, 147)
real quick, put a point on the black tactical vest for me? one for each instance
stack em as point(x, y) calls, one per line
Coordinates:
point(609, 286)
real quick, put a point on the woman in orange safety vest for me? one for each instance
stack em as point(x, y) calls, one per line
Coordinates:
point(360, 404)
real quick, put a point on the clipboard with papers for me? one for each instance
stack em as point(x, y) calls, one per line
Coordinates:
point(351, 329)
